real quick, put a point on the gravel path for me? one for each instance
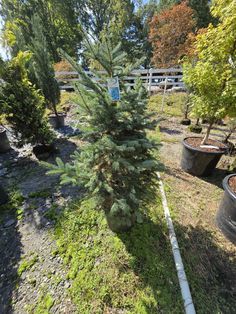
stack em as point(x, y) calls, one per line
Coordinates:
point(26, 239)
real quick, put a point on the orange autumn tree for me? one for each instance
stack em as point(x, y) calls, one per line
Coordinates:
point(171, 34)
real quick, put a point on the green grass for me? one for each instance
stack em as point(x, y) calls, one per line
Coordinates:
point(172, 105)
point(44, 304)
point(27, 264)
point(13, 206)
point(133, 271)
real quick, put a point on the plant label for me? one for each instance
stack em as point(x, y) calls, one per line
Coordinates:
point(114, 88)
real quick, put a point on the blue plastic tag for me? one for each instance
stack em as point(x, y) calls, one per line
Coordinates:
point(114, 88)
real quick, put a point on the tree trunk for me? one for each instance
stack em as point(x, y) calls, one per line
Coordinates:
point(55, 109)
point(207, 133)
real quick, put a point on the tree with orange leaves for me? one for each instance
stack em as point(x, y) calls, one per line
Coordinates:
point(170, 34)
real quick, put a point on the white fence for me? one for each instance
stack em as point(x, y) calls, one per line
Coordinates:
point(153, 79)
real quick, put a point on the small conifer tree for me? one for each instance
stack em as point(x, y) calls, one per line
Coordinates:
point(116, 165)
point(42, 68)
point(23, 105)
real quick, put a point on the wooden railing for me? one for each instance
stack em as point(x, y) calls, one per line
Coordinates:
point(153, 79)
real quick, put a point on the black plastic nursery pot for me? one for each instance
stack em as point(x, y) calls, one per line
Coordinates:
point(195, 129)
point(198, 162)
point(43, 152)
point(3, 196)
point(185, 122)
point(226, 216)
point(57, 121)
point(4, 142)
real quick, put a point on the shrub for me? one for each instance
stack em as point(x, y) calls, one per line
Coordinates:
point(21, 103)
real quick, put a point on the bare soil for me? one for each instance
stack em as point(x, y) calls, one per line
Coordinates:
point(196, 143)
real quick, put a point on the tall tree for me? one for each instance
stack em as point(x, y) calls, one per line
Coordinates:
point(143, 17)
point(202, 13)
point(201, 9)
point(59, 18)
point(115, 17)
point(169, 34)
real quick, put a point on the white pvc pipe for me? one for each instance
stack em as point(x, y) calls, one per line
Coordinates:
point(183, 282)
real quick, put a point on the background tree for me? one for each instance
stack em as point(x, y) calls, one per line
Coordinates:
point(211, 74)
point(22, 104)
point(169, 34)
point(201, 9)
point(143, 17)
point(59, 19)
point(116, 166)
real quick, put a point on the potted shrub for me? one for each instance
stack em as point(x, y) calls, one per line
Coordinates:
point(116, 166)
point(211, 77)
point(22, 104)
point(226, 216)
point(43, 74)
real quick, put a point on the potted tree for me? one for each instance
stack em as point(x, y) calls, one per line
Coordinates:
point(226, 216)
point(211, 77)
point(116, 166)
point(22, 104)
point(43, 74)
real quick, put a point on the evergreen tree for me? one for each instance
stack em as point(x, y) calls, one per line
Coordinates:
point(21, 103)
point(42, 72)
point(116, 165)
point(59, 20)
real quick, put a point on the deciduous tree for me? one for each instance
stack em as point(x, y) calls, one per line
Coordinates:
point(169, 34)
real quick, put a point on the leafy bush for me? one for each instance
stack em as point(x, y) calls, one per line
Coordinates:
point(21, 103)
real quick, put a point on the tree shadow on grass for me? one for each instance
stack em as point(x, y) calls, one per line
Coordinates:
point(217, 177)
point(211, 270)
point(169, 131)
